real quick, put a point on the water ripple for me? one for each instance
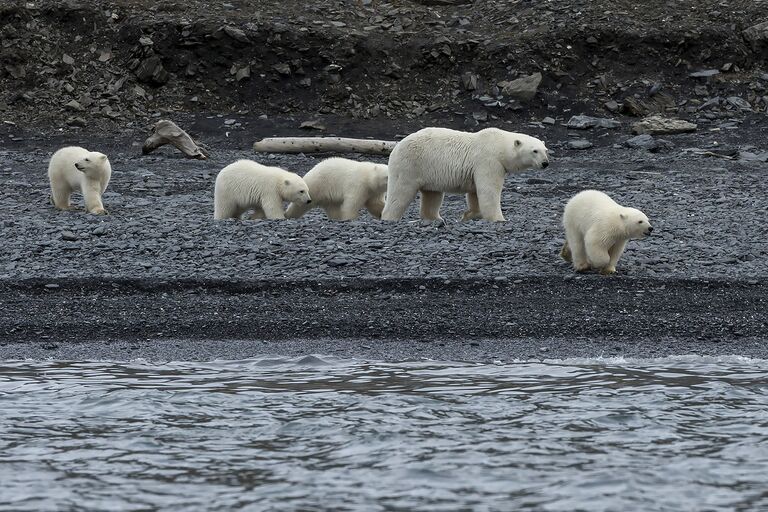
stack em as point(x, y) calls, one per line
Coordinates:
point(319, 433)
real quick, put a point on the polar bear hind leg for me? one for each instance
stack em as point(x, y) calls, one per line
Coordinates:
point(473, 208)
point(60, 194)
point(430, 204)
point(575, 244)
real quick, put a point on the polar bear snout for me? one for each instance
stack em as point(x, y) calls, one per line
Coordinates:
point(78, 167)
point(544, 164)
point(649, 231)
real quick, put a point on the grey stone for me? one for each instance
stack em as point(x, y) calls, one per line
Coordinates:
point(611, 106)
point(647, 142)
point(757, 35)
point(586, 122)
point(705, 73)
point(739, 103)
point(548, 120)
point(151, 71)
point(236, 34)
point(69, 236)
point(657, 125)
point(579, 144)
point(523, 89)
point(469, 81)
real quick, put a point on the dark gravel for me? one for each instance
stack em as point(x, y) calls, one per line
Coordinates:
point(159, 267)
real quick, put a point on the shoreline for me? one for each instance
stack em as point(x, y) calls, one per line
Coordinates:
point(477, 320)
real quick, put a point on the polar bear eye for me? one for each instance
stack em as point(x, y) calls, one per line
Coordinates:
point(301, 191)
point(535, 150)
point(639, 222)
point(87, 160)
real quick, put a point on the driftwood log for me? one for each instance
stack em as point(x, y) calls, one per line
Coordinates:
point(167, 132)
point(323, 145)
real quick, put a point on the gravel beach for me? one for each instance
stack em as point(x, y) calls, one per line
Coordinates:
point(158, 278)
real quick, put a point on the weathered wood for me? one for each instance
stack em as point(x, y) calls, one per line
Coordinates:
point(323, 145)
point(167, 132)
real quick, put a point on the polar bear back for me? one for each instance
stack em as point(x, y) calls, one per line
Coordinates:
point(592, 208)
point(251, 179)
point(335, 179)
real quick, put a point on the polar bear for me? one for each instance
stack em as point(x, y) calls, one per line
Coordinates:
point(597, 230)
point(246, 185)
point(76, 169)
point(434, 161)
point(342, 187)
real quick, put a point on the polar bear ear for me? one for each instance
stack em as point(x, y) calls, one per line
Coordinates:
point(622, 216)
point(518, 143)
point(103, 157)
point(287, 182)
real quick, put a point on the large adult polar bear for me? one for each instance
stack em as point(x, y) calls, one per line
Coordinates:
point(434, 161)
point(597, 230)
point(246, 185)
point(342, 188)
point(76, 169)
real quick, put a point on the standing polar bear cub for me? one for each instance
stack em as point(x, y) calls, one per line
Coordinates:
point(342, 187)
point(597, 230)
point(434, 161)
point(246, 185)
point(76, 169)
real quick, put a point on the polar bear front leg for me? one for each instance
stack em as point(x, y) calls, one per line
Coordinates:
point(92, 195)
point(597, 253)
point(615, 253)
point(430, 205)
point(473, 208)
point(375, 206)
point(273, 208)
point(489, 196)
point(256, 214)
point(296, 210)
point(399, 197)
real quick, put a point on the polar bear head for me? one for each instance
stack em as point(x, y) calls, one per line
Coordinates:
point(92, 164)
point(636, 223)
point(524, 152)
point(295, 190)
point(379, 178)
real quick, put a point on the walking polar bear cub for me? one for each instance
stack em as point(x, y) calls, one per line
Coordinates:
point(246, 185)
point(342, 188)
point(435, 161)
point(76, 169)
point(597, 230)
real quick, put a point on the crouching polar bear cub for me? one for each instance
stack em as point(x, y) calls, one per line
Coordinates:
point(76, 169)
point(342, 187)
point(597, 230)
point(434, 161)
point(246, 185)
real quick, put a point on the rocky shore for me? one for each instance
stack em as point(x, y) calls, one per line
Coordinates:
point(159, 271)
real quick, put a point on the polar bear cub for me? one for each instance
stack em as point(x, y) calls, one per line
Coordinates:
point(342, 188)
point(76, 169)
point(434, 161)
point(597, 230)
point(246, 185)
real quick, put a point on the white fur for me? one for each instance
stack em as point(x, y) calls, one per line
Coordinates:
point(342, 187)
point(434, 161)
point(597, 230)
point(76, 169)
point(246, 185)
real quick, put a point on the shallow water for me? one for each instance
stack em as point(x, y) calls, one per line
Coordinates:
point(326, 434)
